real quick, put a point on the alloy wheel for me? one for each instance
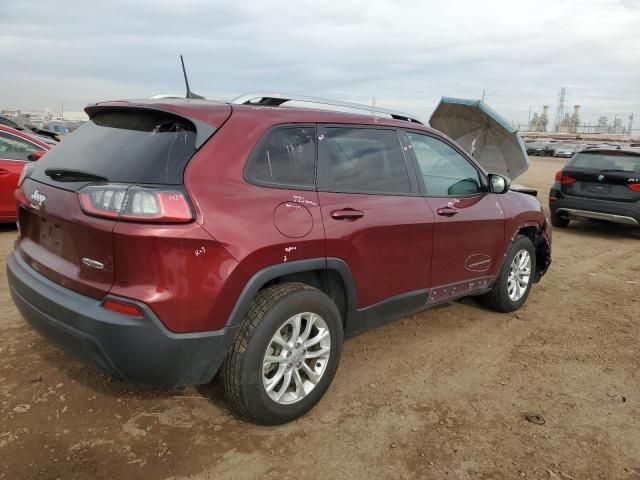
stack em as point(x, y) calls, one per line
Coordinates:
point(519, 275)
point(296, 358)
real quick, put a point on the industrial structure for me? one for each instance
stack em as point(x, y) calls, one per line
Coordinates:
point(566, 123)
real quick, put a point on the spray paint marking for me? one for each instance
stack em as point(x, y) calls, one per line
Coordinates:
point(304, 201)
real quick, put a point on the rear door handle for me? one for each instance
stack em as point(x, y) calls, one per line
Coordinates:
point(447, 211)
point(348, 214)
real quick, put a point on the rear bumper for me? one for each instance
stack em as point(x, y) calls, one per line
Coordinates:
point(140, 350)
point(577, 207)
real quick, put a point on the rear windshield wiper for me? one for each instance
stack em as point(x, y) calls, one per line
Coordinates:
point(63, 175)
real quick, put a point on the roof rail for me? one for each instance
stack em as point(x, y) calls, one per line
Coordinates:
point(167, 95)
point(277, 99)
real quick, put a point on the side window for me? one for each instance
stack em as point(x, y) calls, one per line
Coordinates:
point(287, 157)
point(362, 160)
point(15, 148)
point(444, 171)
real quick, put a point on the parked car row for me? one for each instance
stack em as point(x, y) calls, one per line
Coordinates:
point(565, 149)
point(47, 136)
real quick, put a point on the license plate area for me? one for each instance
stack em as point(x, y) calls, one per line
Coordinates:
point(51, 236)
point(599, 189)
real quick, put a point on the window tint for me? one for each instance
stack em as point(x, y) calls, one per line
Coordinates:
point(445, 172)
point(363, 160)
point(286, 158)
point(14, 148)
point(126, 146)
point(608, 161)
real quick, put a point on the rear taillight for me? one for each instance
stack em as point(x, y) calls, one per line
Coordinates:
point(136, 203)
point(634, 186)
point(562, 178)
point(122, 308)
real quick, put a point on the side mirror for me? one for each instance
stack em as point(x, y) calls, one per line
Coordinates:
point(498, 183)
point(36, 156)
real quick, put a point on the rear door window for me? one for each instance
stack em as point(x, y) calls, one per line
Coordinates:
point(286, 157)
point(444, 171)
point(362, 160)
point(126, 146)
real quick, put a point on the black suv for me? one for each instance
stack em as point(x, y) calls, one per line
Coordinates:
point(600, 184)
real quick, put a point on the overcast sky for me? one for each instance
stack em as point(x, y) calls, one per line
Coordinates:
point(405, 53)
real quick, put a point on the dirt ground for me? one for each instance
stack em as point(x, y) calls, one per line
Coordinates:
point(442, 394)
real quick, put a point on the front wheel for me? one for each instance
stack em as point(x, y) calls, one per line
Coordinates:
point(285, 354)
point(515, 279)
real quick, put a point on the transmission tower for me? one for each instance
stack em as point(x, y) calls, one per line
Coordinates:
point(562, 96)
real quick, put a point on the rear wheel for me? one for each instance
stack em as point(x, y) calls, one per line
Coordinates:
point(514, 282)
point(559, 221)
point(285, 354)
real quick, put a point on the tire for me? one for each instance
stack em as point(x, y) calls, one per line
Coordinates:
point(559, 221)
point(246, 373)
point(498, 298)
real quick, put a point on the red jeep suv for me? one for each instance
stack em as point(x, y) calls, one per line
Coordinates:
point(169, 239)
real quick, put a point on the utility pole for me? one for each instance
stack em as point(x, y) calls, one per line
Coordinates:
point(560, 109)
point(483, 94)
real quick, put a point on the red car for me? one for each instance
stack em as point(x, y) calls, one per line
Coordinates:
point(16, 150)
point(168, 239)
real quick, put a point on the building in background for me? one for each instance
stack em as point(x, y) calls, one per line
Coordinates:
point(539, 122)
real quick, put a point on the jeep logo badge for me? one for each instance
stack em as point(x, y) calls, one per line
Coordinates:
point(37, 199)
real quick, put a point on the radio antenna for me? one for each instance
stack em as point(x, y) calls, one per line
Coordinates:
point(190, 94)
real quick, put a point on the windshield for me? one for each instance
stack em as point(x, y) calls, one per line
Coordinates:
point(126, 146)
point(622, 161)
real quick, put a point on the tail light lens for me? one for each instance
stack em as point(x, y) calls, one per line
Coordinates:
point(564, 179)
point(135, 203)
point(634, 186)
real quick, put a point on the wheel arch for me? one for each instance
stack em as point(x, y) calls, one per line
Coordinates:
point(330, 275)
point(536, 233)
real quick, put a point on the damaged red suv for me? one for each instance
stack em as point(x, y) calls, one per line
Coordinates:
point(169, 239)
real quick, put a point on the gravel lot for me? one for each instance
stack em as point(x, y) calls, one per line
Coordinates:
point(442, 394)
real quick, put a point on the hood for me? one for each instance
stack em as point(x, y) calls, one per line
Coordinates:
point(482, 132)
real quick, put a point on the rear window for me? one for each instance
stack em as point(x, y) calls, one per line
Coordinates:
point(621, 161)
point(126, 146)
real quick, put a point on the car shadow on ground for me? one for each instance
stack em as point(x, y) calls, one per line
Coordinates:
point(8, 227)
point(601, 229)
point(101, 383)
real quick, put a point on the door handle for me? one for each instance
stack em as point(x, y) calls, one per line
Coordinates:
point(348, 214)
point(3, 172)
point(447, 211)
